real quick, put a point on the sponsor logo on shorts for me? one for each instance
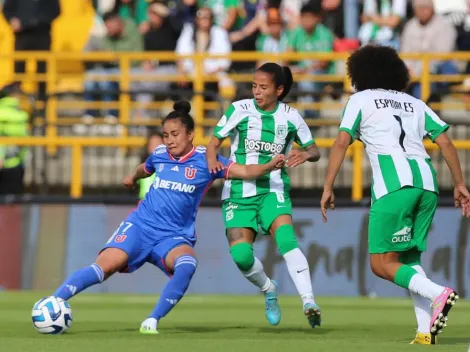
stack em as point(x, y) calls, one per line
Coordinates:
point(260, 146)
point(120, 238)
point(402, 236)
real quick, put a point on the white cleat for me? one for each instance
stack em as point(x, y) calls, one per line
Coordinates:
point(149, 327)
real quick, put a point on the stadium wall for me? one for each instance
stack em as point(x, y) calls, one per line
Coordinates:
point(41, 244)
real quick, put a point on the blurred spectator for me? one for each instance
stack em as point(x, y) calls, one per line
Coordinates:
point(121, 36)
point(226, 13)
point(382, 21)
point(13, 123)
point(333, 16)
point(162, 36)
point(154, 139)
point(135, 10)
point(98, 28)
point(311, 36)
point(204, 37)
point(184, 10)
point(290, 11)
point(31, 22)
point(428, 32)
point(275, 40)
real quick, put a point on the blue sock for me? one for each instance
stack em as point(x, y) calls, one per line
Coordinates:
point(79, 281)
point(185, 266)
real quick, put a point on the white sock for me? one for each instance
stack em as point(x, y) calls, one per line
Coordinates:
point(257, 276)
point(150, 323)
point(424, 287)
point(299, 271)
point(422, 307)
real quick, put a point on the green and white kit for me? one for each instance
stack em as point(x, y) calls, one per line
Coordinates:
point(258, 136)
point(392, 126)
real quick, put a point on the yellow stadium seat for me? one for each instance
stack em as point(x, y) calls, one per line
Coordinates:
point(69, 34)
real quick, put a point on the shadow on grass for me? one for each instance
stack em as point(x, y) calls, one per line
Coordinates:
point(453, 340)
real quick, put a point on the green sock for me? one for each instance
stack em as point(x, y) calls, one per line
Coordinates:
point(403, 276)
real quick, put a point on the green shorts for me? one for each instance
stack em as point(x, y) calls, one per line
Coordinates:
point(256, 211)
point(400, 221)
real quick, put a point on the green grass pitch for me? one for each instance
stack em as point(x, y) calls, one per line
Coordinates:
point(110, 323)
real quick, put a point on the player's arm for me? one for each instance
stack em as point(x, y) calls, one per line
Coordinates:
point(211, 155)
point(461, 194)
point(348, 129)
point(304, 139)
point(140, 172)
point(252, 172)
point(222, 130)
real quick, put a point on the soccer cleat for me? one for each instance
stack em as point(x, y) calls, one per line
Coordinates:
point(313, 314)
point(149, 327)
point(273, 311)
point(440, 310)
point(424, 339)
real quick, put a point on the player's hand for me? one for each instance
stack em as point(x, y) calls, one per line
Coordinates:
point(277, 162)
point(462, 199)
point(327, 202)
point(297, 157)
point(129, 182)
point(215, 166)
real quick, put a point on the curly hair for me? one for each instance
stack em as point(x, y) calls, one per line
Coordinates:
point(377, 67)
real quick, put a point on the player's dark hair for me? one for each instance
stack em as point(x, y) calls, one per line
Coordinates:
point(377, 67)
point(312, 7)
point(282, 76)
point(110, 15)
point(181, 111)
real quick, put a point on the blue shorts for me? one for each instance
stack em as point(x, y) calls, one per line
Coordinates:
point(143, 247)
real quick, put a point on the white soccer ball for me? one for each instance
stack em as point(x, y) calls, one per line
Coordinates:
point(52, 315)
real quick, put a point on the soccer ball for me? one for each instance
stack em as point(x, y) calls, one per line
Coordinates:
point(52, 315)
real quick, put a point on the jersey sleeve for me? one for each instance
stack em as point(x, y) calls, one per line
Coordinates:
point(227, 164)
point(433, 125)
point(227, 123)
point(303, 137)
point(149, 165)
point(352, 116)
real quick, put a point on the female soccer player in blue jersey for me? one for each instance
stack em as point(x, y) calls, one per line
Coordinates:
point(161, 230)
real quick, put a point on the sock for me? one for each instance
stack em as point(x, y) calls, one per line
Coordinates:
point(425, 287)
point(79, 281)
point(422, 307)
point(407, 277)
point(299, 271)
point(258, 277)
point(185, 267)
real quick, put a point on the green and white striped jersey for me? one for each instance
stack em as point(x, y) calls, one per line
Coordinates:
point(392, 126)
point(257, 136)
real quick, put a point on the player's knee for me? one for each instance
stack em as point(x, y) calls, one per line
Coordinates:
point(185, 265)
point(383, 265)
point(242, 254)
point(285, 238)
point(111, 260)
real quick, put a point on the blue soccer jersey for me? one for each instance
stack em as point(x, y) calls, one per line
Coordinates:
point(172, 202)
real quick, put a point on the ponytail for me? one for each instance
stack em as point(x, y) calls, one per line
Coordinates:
point(282, 76)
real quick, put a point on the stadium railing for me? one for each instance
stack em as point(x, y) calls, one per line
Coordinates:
point(52, 106)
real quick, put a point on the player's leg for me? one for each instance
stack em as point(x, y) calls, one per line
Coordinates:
point(180, 264)
point(241, 227)
point(241, 222)
point(276, 218)
point(391, 233)
point(422, 224)
point(118, 252)
point(108, 262)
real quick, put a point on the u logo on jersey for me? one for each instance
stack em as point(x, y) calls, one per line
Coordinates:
point(190, 172)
